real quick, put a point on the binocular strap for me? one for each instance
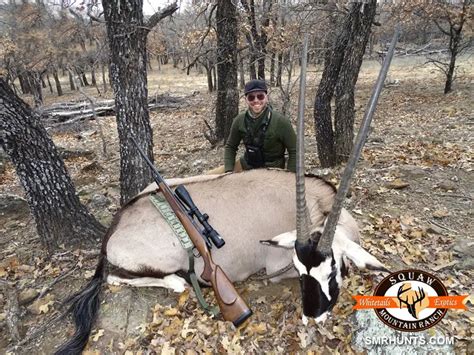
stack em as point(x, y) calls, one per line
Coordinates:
point(170, 217)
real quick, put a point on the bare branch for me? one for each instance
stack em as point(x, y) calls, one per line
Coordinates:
point(95, 18)
point(158, 16)
point(201, 44)
point(211, 135)
point(441, 28)
point(443, 67)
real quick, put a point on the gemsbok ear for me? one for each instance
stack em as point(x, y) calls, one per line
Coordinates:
point(361, 258)
point(284, 240)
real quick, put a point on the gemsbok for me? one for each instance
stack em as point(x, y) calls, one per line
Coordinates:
point(246, 209)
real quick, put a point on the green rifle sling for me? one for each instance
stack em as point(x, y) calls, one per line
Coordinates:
point(170, 217)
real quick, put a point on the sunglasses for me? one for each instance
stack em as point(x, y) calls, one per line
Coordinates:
point(252, 97)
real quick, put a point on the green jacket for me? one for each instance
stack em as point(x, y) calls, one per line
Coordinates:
point(280, 136)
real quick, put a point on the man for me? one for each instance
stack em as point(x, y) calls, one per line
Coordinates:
point(265, 133)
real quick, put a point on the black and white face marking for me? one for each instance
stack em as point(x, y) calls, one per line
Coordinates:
point(318, 279)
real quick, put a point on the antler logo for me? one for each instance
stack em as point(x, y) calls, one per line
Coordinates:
point(406, 295)
point(410, 300)
point(414, 301)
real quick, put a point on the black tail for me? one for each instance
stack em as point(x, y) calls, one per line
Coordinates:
point(84, 306)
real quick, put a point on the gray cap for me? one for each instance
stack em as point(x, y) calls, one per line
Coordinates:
point(255, 85)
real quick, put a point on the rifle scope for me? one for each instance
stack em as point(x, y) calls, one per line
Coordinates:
point(209, 232)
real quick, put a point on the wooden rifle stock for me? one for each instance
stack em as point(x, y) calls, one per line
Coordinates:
point(231, 304)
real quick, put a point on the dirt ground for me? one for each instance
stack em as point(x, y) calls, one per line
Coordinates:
point(412, 196)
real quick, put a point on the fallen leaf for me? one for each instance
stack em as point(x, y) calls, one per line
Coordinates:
point(325, 332)
point(186, 330)
point(389, 249)
point(256, 328)
point(45, 307)
point(407, 220)
point(204, 329)
point(174, 328)
point(397, 184)
point(441, 213)
point(114, 288)
point(417, 233)
point(183, 297)
point(170, 312)
point(303, 336)
point(97, 335)
point(41, 305)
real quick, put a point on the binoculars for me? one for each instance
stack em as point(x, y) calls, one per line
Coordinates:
point(209, 232)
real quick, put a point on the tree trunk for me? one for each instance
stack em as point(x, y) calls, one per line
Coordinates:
point(24, 84)
point(279, 69)
point(322, 103)
point(448, 86)
point(79, 77)
point(251, 37)
point(35, 86)
point(227, 90)
point(256, 40)
point(214, 75)
point(71, 81)
point(59, 89)
point(128, 68)
point(93, 79)
point(272, 69)
point(454, 42)
point(344, 91)
point(241, 72)
point(58, 213)
point(49, 84)
point(252, 70)
point(104, 77)
point(210, 85)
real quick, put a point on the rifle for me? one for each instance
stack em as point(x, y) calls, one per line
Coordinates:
point(209, 232)
point(231, 304)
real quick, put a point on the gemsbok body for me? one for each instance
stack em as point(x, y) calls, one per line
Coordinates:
point(254, 212)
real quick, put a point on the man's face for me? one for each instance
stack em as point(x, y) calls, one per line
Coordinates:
point(257, 101)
